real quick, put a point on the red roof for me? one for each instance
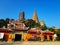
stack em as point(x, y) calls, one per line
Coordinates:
point(5, 30)
point(47, 32)
point(34, 30)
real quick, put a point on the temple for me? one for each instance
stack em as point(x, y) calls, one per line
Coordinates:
point(17, 31)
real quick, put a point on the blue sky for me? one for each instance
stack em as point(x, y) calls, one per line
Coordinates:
point(47, 10)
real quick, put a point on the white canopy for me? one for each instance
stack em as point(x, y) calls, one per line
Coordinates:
point(1, 35)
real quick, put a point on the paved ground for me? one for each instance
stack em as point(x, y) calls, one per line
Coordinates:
point(31, 43)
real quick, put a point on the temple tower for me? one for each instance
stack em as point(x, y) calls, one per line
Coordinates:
point(35, 18)
point(42, 23)
point(21, 16)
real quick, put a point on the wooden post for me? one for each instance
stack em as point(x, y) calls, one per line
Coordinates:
point(48, 38)
point(52, 37)
point(42, 37)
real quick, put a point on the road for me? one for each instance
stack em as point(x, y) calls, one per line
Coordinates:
point(31, 43)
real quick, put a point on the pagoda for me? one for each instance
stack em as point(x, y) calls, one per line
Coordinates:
point(35, 18)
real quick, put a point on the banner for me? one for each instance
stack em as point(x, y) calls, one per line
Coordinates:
point(1, 35)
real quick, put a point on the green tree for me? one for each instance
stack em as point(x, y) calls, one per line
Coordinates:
point(37, 25)
point(43, 27)
point(2, 23)
point(12, 19)
point(31, 24)
point(58, 36)
point(52, 29)
point(6, 22)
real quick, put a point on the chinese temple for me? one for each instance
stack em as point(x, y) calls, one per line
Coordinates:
point(17, 31)
point(37, 33)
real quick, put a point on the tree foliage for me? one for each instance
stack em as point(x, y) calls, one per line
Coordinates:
point(58, 36)
point(4, 22)
point(31, 24)
point(43, 27)
point(52, 29)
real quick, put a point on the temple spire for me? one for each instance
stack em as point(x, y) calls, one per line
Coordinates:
point(21, 16)
point(35, 18)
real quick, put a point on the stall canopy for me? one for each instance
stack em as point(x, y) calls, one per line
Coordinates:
point(1, 35)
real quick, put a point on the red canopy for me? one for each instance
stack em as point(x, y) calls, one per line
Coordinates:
point(34, 30)
point(47, 32)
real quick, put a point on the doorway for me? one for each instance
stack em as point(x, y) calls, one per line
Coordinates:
point(18, 37)
point(51, 38)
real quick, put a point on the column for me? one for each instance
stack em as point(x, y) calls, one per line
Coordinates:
point(10, 38)
point(48, 38)
point(42, 38)
point(52, 37)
